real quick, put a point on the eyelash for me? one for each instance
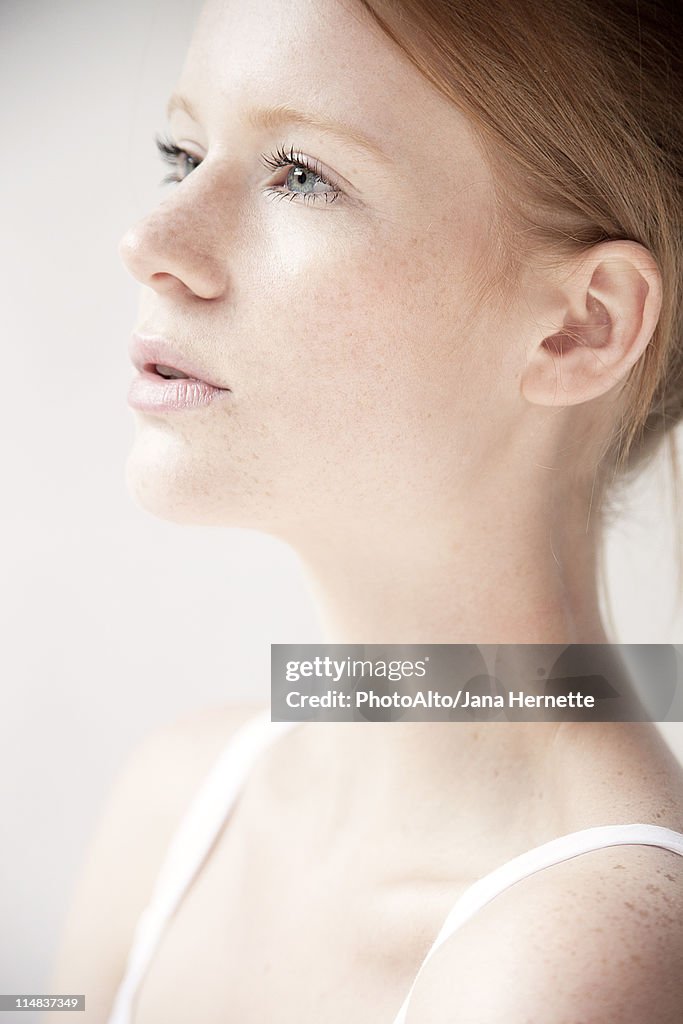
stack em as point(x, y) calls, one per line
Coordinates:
point(171, 154)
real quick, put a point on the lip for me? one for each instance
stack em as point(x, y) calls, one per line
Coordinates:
point(149, 392)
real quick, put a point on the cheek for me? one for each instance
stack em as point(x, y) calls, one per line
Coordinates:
point(369, 377)
point(359, 374)
point(379, 355)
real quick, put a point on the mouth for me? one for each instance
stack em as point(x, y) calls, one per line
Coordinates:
point(167, 372)
point(168, 380)
point(157, 358)
point(158, 388)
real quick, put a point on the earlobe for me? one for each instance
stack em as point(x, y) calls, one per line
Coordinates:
point(608, 309)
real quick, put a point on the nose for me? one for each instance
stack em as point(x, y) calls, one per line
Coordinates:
point(175, 250)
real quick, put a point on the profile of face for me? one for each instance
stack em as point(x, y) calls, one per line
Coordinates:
point(338, 296)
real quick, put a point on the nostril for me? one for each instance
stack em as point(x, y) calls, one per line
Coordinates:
point(163, 282)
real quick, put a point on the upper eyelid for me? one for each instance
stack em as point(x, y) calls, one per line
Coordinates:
point(168, 147)
point(297, 158)
point(276, 117)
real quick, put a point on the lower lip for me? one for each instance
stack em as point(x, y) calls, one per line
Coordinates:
point(149, 392)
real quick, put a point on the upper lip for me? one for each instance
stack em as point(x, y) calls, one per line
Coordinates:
point(149, 350)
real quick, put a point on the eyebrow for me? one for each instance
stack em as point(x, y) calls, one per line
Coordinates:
point(269, 118)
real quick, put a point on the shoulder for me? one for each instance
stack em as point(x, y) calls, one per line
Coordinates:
point(597, 938)
point(156, 784)
point(136, 822)
point(171, 760)
point(160, 776)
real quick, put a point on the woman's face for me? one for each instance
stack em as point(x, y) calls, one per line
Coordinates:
point(367, 381)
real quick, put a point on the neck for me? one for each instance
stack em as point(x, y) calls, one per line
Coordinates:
point(526, 576)
point(478, 576)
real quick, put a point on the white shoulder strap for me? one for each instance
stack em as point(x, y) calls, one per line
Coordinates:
point(190, 845)
point(554, 852)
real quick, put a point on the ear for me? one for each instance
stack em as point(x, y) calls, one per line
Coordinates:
point(606, 309)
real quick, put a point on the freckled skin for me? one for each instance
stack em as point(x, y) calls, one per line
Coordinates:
point(388, 390)
point(343, 348)
point(377, 421)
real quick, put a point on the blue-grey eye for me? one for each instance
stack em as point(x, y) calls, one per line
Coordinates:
point(179, 159)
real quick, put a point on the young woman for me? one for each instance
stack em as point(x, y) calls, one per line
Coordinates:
point(413, 305)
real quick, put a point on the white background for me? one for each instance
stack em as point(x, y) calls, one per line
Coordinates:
point(112, 621)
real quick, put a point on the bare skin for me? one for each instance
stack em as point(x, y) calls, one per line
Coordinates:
point(319, 903)
point(430, 456)
point(314, 890)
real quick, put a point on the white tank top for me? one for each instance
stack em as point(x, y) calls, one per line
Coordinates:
point(210, 807)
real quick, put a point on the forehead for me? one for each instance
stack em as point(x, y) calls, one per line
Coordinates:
point(319, 56)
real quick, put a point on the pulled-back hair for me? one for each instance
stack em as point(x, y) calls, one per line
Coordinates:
point(576, 105)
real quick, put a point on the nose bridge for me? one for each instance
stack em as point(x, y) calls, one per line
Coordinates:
point(182, 238)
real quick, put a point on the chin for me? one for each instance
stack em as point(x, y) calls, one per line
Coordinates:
point(174, 480)
point(166, 477)
point(155, 494)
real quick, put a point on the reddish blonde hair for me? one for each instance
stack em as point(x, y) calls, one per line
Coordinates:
point(577, 107)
